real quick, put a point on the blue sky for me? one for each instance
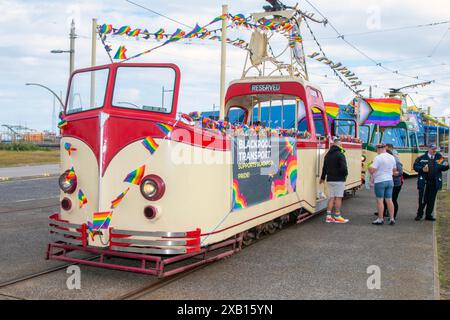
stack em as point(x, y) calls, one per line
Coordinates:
point(30, 29)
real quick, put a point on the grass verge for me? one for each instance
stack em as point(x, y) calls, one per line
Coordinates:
point(443, 241)
point(20, 158)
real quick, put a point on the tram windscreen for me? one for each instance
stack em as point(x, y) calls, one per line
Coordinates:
point(81, 95)
point(396, 136)
point(145, 88)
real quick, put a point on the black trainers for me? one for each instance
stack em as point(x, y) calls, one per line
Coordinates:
point(418, 218)
point(392, 222)
point(430, 218)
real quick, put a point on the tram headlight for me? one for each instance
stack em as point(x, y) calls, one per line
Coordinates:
point(68, 185)
point(152, 188)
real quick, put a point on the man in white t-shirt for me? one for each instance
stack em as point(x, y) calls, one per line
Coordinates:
point(382, 169)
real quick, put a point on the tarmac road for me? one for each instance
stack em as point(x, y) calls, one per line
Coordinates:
point(308, 261)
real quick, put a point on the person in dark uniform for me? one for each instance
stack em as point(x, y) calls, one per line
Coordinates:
point(429, 167)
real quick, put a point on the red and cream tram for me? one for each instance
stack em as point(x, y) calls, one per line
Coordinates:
point(142, 182)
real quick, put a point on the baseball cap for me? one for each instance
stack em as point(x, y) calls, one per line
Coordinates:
point(433, 146)
point(381, 145)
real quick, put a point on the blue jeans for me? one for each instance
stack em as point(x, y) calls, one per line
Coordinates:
point(383, 190)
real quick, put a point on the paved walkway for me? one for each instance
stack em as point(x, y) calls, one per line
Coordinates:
point(28, 171)
point(320, 261)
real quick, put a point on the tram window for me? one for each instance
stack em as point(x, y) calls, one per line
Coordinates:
point(273, 112)
point(145, 88)
point(364, 133)
point(80, 98)
point(395, 136)
point(318, 122)
point(236, 115)
point(345, 127)
point(413, 140)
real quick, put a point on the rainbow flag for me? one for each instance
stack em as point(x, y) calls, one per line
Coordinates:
point(122, 31)
point(120, 54)
point(81, 198)
point(62, 124)
point(69, 148)
point(150, 144)
point(165, 128)
point(386, 112)
point(177, 35)
point(197, 29)
point(238, 200)
point(219, 18)
point(71, 174)
point(332, 110)
point(106, 29)
point(135, 176)
point(116, 202)
point(134, 33)
point(159, 34)
point(101, 220)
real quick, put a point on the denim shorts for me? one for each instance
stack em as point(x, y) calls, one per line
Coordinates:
point(383, 190)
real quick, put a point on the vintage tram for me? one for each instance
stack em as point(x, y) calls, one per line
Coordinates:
point(145, 188)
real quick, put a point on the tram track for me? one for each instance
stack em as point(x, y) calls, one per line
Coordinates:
point(38, 274)
point(161, 283)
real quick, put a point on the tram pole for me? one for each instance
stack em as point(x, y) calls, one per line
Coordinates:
point(223, 62)
point(93, 60)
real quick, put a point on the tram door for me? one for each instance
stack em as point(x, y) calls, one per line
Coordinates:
point(322, 135)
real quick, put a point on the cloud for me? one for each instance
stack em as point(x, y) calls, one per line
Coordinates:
point(40, 26)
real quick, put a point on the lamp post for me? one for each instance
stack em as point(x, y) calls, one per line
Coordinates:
point(50, 90)
point(71, 51)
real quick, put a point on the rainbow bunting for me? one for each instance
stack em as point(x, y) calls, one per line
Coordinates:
point(159, 34)
point(116, 202)
point(62, 124)
point(135, 176)
point(82, 198)
point(177, 35)
point(165, 128)
point(238, 200)
point(386, 112)
point(134, 33)
point(120, 54)
point(197, 29)
point(219, 18)
point(106, 29)
point(150, 144)
point(122, 31)
point(69, 148)
point(101, 220)
point(332, 109)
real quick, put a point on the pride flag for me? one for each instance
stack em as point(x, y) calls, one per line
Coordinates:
point(120, 54)
point(177, 35)
point(150, 144)
point(332, 109)
point(194, 32)
point(159, 34)
point(82, 198)
point(386, 112)
point(101, 220)
point(116, 201)
point(165, 128)
point(134, 33)
point(69, 148)
point(123, 30)
point(135, 176)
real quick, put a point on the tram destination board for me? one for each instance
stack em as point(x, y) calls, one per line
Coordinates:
point(264, 168)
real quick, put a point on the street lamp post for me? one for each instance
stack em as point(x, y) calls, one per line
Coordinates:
point(71, 51)
point(50, 90)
